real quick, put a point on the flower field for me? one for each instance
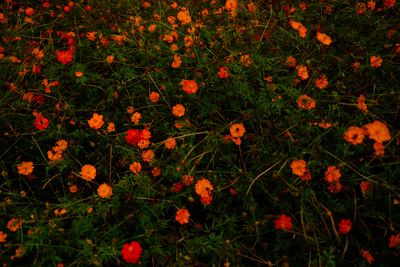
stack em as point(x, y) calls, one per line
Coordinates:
point(199, 133)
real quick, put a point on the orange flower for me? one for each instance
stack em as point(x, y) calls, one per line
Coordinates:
point(231, 6)
point(152, 27)
point(291, 61)
point(148, 155)
point(189, 86)
point(188, 41)
point(110, 59)
point(354, 135)
point(302, 72)
point(324, 38)
point(177, 61)
point(37, 53)
point(187, 180)
point(251, 7)
point(203, 187)
point(378, 131)
point(170, 143)
point(379, 149)
point(299, 167)
point(321, 82)
point(299, 27)
point(135, 167)
point(110, 127)
point(104, 191)
point(78, 74)
point(237, 130)
point(154, 97)
point(14, 224)
point(3, 237)
point(245, 60)
point(135, 118)
point(184, 17)
point(156, 171)
point(306, 102)
point(375, 61)
point(332, 174)
point(361, 104)
point(25, 168)
point(73, 188)
point(91, 36)
point(96, 121)
point(88, 172)
point(182, 216)
point(178, 110)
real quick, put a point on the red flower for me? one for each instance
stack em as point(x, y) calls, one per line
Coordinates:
point(223, 72)
point(345, 226)
point(41, 122)
point(133, 137)
point(64, 56)
point(367, 256)
point(283, 223)
point(131, 252)
point(394, 241)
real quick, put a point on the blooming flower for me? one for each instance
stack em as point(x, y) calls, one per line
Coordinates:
point(178, 110)
point(377, 131)
point(375, 61)
point(177, 61)
point(14, 224)
point(135, 167)
point(361, 104)
point(321, 82)
point(64, 56)
point(88, 172)
point(154, 97)
point(41, 122)
point(25, 168)
point(283, 222)
point(135, 118)
point(345, 226)
point(354, 135)
point(237, 129)
point(148, 155)
point(3, 237)
point(394, 241)
point(182, 216)
point(96, 121)
point(324, 38)
point(332, 174)
point(306, 102)
point(367, 256)
point(170, 143)
point(302, 72)
point(223, 72)
point(187, 180)
point(104, 191)
point(203, 187)
point(131, 252)
point(183, 16)
point(298, 167)
point(189, 86)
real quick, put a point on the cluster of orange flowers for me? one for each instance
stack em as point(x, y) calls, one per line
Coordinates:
point(299, 168)
point(237, 130)
point(332, 177)
point(55, 153)
point(203, 188)
point(376, 130)
point(88, 173)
